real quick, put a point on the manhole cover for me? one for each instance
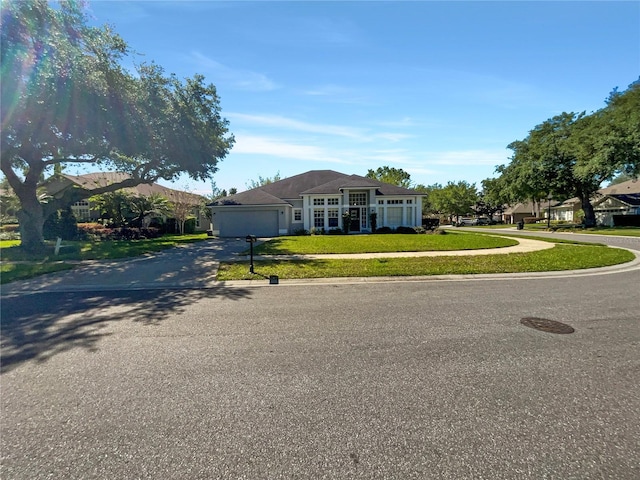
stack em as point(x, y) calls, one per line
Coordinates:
point(546, 325)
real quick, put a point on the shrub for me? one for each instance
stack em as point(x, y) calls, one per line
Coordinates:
point(98, 232)
point(190, 225)
point(373, 216)
point(431, 223)
point(60, 224)
point(335, 231)
point(406, 230)
point(301, 232)
point(384, 230)
point(529, 220)
point(346, 222)
point(316, 231)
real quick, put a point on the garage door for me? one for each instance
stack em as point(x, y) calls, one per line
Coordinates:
point(240, 224)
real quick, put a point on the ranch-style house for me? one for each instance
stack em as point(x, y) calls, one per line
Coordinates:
point(315, 200)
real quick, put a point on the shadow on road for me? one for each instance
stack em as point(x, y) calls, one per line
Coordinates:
point(39, 326)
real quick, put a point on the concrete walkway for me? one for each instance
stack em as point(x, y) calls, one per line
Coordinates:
point(525, 245)
point(196, 266)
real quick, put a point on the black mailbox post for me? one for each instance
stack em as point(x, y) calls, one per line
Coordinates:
point(251, 239)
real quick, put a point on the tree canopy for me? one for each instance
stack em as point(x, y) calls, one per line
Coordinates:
point(263, 181)
point(394, 176)
point(66, 99)
point(454, 199)
point(572, 154)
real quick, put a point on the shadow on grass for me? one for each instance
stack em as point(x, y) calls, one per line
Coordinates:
point(39, 326)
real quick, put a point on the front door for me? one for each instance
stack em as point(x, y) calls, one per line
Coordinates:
point(355, 219)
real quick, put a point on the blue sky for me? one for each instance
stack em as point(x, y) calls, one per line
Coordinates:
point(438, 89)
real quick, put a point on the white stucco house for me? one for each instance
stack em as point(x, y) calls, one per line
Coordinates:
point(315, 200)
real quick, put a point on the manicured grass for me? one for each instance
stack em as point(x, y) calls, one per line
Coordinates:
point(628, 231)
point(561, 257)
point(19, 271)
point(327, 244)
point(9, 243)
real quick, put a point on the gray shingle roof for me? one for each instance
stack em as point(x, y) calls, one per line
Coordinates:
point(314, 182)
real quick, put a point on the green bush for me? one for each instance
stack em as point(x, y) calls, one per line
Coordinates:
point(190, 226)
point(406, 230)
point(61, 224)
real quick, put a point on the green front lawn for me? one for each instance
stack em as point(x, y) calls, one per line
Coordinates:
point(327, 244)
point(561, 257)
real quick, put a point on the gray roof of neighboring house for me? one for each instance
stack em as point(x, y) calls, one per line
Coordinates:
point(519, 208)
point(315, 182)
point(255, 196)
point(100, 179)
point(630, 186)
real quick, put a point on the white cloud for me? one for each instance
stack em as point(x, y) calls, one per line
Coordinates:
point(285, 123)
point(466, 157)
point(241, 79)
point(277, 121)
point(260, 145)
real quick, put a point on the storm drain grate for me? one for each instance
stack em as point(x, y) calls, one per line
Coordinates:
point(546, 325)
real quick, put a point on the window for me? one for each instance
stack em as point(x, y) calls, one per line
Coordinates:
point(318, 201)
point(357, 199)
point(196, 214)
point(394, 202)
point(333, 201)
point(394, 216)
point(318, 218)
point(81, 210)
point(332, 214)
point(409, 202)
point(297, 214)
point(380, 202)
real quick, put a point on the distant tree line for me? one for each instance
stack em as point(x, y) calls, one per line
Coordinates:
point(572, 155)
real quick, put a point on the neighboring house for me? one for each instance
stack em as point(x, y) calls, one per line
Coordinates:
point(83, 211)
point(519, 211)
point(566, 211)
point(315, 200)
point(620, 199)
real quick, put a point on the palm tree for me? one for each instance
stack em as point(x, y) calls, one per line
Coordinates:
point(146, 206)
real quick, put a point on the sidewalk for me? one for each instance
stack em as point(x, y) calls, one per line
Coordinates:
point(195, 265)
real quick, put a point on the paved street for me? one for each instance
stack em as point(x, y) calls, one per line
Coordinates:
point(408, 379)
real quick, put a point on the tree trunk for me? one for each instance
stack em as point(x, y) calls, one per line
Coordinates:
point(31, 219)
point(589, 213)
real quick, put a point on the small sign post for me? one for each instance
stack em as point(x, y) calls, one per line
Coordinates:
point(251, 239)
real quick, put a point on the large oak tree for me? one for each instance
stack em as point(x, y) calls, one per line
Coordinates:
point(66, 99)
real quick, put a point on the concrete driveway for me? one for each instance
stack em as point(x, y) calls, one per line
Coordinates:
point(193, 265)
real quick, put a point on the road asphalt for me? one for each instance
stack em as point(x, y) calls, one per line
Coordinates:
point(196, 265)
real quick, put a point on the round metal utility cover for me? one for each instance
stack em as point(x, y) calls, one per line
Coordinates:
point(546, 325)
